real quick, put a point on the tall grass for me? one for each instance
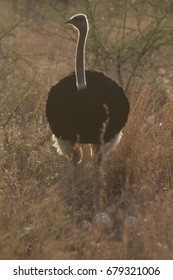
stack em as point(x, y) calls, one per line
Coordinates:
point(137, 177)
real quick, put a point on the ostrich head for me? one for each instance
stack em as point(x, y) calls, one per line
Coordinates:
point(79, 21)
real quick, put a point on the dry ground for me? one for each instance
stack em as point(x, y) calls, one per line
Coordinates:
point(35, 187)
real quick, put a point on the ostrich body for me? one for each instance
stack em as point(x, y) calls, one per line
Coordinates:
point(92, 115)
point(85, 107)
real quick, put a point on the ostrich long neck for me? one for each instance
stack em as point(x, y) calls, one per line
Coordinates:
point(80, 60)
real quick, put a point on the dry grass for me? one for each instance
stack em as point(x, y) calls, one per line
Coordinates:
point(35, 188)
point(35, 209)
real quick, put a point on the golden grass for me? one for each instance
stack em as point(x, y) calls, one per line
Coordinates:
point(36, 193)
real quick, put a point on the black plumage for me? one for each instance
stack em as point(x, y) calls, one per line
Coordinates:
point(93, 115)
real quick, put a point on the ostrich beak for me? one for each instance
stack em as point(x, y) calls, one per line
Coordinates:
point(67, 21)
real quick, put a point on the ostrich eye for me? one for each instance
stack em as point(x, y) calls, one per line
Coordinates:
point(77, 19)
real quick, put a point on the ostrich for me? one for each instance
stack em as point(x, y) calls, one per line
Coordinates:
point(85, 107)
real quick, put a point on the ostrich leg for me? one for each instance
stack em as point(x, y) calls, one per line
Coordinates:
point(98, 183)
point(77, 156)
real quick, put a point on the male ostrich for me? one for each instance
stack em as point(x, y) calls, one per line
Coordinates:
point(85, 107)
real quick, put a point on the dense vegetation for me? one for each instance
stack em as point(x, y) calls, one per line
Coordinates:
point(132, 42)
